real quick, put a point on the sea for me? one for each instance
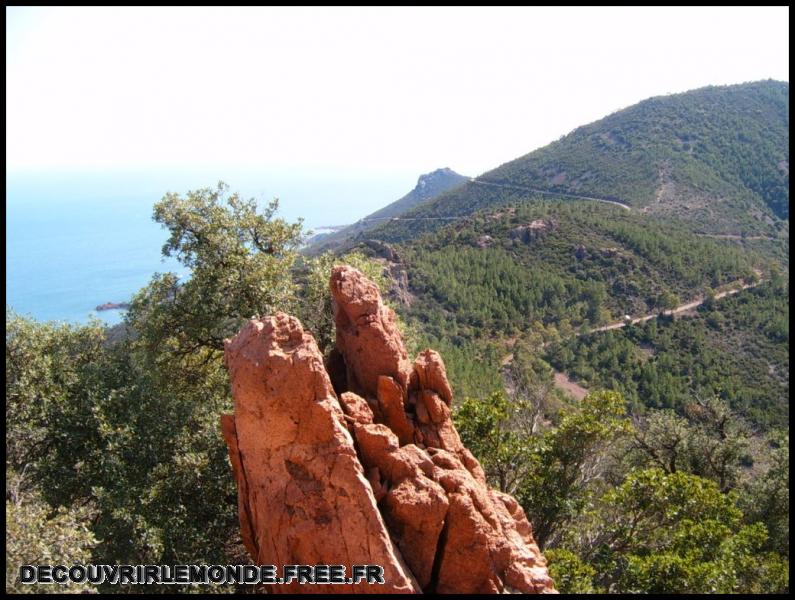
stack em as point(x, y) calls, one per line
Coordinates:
point(76, 240)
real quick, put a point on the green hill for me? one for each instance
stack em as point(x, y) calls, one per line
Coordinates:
point(655, 206)
point(548, 262)
point(716, 158)
point(554, 274)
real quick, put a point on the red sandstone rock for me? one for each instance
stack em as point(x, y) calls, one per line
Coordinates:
point(431, 375)
point(304, 498)
point(356, 408)
point(390, 402)
point(367, 335)
point(384, 463)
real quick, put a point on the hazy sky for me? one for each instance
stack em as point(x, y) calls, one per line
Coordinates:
point(375, 89)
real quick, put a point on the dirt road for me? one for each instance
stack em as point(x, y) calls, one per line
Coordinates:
point(679, 309)
point(537, 191)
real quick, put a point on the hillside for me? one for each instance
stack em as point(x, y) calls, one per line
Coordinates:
point(428, 186)
point(547, 262)
point(716, 158)
point(736, 348)
point(546, 272)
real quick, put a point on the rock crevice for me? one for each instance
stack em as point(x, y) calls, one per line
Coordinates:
point(372, 473)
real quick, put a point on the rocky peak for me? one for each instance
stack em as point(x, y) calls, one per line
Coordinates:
point(435, 182)
point(371, 470)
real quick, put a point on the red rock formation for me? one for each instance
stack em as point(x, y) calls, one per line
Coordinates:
point(367, 335)
point(382, 463)
point(303, 496)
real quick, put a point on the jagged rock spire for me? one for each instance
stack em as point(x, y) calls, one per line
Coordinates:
point(376, 475)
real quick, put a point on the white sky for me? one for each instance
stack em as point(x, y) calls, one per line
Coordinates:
point(376, 89)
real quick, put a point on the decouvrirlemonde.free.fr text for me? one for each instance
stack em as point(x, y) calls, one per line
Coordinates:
point(199, 574)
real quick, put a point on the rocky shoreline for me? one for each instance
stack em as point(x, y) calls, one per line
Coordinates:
point(113, 306)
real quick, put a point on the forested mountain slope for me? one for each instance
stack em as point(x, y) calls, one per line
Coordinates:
point(736, 348)
point(716, 158)
point(554, 263)
point(547, 272)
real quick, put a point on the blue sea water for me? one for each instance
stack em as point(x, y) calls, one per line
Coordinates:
point(77, 240)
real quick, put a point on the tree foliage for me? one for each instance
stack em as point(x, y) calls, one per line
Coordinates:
point(129, 427)
point(664, 532)
point(652, 505)
point(37, 534)
point(547, 471)
point(550, 262)
point(240, 257)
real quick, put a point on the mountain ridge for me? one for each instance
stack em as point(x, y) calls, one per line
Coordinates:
point(429, 185)
point(716, 158)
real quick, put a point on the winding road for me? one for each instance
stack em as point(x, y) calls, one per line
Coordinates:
point(732, 236)
point(722, 236)
point(537, 191)
point(564, 382)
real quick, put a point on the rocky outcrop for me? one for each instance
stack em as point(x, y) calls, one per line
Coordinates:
point(113, 306)
point(484, 241)
point(533, 230)
point(395, 268)
point(374, 473)
point(367, 335)
point(303, 496)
